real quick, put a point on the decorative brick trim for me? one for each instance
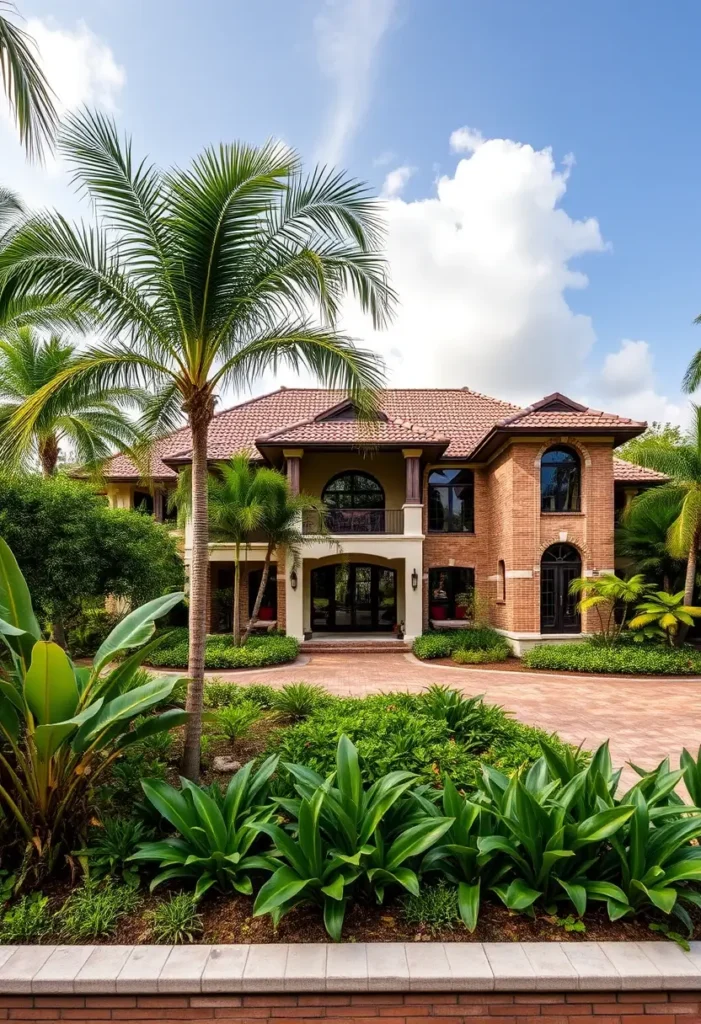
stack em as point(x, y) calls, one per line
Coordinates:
point(467, 967)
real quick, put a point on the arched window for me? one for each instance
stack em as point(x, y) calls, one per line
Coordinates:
point(353, 489)
point(501, 581)
point(560, 564)
point(451, 501)
point(560, 480)
point(355, 503)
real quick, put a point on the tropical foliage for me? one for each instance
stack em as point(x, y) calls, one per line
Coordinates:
point(28, 93)
point(92, 424)
point(221, 652)
point(62, 727)
point(625, 657)
point(202, 278)
point(641, 538)
point(662, 616)
point(606, 592)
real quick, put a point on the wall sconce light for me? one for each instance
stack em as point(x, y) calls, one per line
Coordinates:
point(414, 579)
point(293, 579)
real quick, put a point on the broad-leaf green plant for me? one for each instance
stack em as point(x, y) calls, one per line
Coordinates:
point(664, 616)
point(63, 726)
point(216, 831)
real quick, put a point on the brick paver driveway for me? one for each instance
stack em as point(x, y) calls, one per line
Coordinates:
point(645, 719)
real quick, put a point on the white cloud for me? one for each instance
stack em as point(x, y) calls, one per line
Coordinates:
point(465, 140)
point(384, 158)
point(82, 70)
point(627, 371)
point(349, 33)
point(396, 181)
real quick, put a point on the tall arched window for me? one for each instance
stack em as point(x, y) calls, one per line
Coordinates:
point(560, 480)
point(451, 501)
point(355, 503)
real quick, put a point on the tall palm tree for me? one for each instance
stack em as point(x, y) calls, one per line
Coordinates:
point(28, 92)
point(203, 278)
point(641, 537)
point(283, 513)
point(682, 464)
point(92, 424)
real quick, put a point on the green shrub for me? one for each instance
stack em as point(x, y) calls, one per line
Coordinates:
point(219, 695)
point(500, 652)
point(88, 629)
point(220, 652)
point(633, 659)
point(29, 920)
point(95, 909)
point(400, 731)
point(442, 643)
point(110, 846)
point(235, 720)
point(175, 921)
point(298, 700)
point(435, 908)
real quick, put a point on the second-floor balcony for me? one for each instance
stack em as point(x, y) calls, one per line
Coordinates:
point(354, 520)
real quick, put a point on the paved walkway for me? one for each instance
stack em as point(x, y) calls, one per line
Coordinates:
point(645, 719)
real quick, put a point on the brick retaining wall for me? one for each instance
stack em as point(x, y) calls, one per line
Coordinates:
point(644, 1007)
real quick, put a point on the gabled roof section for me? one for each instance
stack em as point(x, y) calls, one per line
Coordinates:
point(346, 411)
point(628, 472)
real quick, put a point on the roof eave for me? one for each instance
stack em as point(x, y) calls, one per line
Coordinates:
point(499, 434)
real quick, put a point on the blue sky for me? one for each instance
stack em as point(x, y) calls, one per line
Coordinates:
point(610, 89)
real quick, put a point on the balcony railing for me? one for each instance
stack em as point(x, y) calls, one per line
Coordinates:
point(355, 520)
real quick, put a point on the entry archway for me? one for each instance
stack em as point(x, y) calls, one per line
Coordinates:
point(560, 564)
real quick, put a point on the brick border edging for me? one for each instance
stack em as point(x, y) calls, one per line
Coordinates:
point(350, 967)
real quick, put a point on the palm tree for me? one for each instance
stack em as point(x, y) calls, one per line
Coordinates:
point(666, 616)
point(26, 88)
point(203, 278)
point(604, 593)
point(641, 537)
point(283, 513)
point(93, 424)
point(682, 464)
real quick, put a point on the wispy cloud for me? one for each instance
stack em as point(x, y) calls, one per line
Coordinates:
point(396, 181)
point(349, 34)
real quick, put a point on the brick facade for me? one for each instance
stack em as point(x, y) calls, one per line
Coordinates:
point(510, 527)
point(629, 1007)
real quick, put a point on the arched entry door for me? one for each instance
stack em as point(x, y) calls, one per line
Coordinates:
point(351, 596)
point(559, 565)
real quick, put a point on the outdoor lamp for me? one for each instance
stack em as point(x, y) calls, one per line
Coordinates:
point(293, 579)
point(414, 579)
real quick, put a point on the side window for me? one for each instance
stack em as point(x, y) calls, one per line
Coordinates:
point(501, 581)
point(451, 593)
point(560, 483)
point(451, 501)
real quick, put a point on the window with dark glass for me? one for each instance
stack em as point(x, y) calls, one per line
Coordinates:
point(560, 481)
point(354, 490)
point(501, 581)
point(451, 501)
point(142, 501)
point(451, 593)
point(268, 604)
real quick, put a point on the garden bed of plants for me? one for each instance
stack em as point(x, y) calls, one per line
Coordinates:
point(220, 651)
point(624, 656)
point(479, 645)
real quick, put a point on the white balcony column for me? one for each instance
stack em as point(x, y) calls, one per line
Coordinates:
point(293, 459)
point(413, 618)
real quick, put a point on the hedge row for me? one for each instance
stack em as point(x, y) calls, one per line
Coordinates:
point(629, 658)
point(220, 652)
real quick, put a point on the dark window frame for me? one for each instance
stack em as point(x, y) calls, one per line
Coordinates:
point(453, 585)
point(567, 496)
point(466, 499)
point(501, 581)
point(354, 491)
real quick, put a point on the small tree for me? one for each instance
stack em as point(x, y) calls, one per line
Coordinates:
point(74, 550)
point(282, 516)
point(664, 616)
point(603, 593)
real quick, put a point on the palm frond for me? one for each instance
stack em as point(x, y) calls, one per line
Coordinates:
point(29, 94)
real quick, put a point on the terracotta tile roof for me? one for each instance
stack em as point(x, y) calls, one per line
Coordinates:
point(628, 471)
point(458, 415)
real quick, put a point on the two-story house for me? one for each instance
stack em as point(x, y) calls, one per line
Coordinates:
point(445, 495)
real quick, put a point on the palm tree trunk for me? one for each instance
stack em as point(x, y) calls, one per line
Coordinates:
point(199, 577)
point(690, 580)
point(58, 633)
point(48, 455)
point(237, 596)
point(259, 595)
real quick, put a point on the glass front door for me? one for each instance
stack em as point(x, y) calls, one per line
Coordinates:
point(356, 597)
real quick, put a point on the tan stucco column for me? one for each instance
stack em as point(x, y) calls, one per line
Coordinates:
point(629, 493)
point(293, 458)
